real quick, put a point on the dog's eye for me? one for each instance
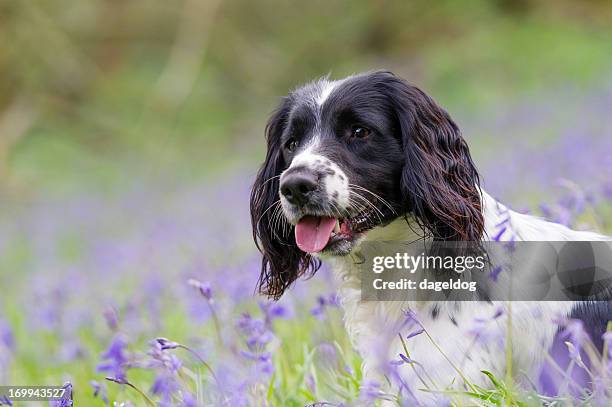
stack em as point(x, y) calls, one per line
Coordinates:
point(360, 132)
point(291, 145)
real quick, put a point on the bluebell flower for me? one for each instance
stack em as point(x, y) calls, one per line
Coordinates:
point(203, 287)
point(165, 385)
point(369, 393)
point(273, 310)
point(99, 391)
point(484, 331)
point(403, 359)
point(573, 330)
point(115, 358)
point(188, 400)
point(500, 232)
point(66, 400)
point(112, 318)
point(327, 355)
point(324, 302)
point(167, 344)
point(4, 401)
point(414, 333)
point(6, 335)
point(494, 274)
point(263, 361)
point(167, 366)
point(411, 322)
point(258, 333)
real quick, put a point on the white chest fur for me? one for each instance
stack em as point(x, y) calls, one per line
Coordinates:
point(461, 339)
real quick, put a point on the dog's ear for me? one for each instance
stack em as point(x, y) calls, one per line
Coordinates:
point(283, 262)
point(439, 182)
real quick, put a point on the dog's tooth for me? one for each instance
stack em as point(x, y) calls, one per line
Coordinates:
point(337, 227)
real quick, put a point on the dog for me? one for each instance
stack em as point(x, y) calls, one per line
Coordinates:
point(373, 158)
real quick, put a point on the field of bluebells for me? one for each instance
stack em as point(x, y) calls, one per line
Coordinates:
point(130, 133)
point(145, 295)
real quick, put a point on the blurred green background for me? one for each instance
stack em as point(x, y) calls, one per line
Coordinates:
point(90, 90)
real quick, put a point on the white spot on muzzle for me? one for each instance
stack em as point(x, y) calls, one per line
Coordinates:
point(337, 183)
point(333, 178)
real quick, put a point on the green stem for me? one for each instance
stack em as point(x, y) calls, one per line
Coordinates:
point(202, 361)
point(216, 323)
point(465, 380)
point(412, 364)
point(147, 399)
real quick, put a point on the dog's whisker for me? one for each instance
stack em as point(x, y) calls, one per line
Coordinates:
point(274, 217)
point(355, 206)
point(279, 221)
point(337, 209)
point(369, 204)
point(378, 197)
point(284, 223)
point(266, 182)
point(277, 206)
point(275, 203)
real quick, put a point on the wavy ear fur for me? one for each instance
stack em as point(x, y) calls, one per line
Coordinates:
point(283, 262)
point(439, 181)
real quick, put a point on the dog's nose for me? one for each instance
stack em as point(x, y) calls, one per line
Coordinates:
point(297, 187)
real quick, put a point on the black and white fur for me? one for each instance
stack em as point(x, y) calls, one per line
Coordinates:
point(373, 147)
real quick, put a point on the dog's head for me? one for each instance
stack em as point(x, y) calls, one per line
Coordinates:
point(344, 157)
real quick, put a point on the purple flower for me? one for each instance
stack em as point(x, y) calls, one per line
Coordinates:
point(322, 304)
point(558, 214)
point(66, 400)
point(263, 361)
point(499, 234)
point(575, 200)
point(71, 349)
point(6, 335)
point(411, 322)
point(369, 392)
point(273, 310)
point(349, 370)
point(311, 383)
point(203, 287)
point(4, 401)
point(403, 360)
point(404, 392)
point(499, 311)
point(162, 360)
point(494, 274)
point(482, 329)
point(165, 385)
point(415, 333)
point(503, 228)
point(564, 216)
point(327, 355)
point(167, 366)
point(112, 318)
point(167, 344)
point(99, 390)
point(257, 331)
point(573, 330)
point(189, 400)
point(115, 358)
point(546, 211)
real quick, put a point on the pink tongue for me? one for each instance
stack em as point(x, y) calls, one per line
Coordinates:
point(312, 233)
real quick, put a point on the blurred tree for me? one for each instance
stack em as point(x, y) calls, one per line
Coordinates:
point(169, 79)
